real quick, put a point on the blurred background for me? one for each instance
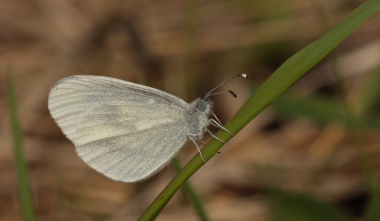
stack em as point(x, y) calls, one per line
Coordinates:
point(308, 141)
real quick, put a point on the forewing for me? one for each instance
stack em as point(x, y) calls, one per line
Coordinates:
point(72, 97)
point(123, 130)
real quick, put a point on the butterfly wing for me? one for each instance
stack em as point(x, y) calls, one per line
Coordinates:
point(123, 130)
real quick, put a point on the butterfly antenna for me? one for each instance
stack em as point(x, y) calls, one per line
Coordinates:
point(222, 92)
point(238, 75)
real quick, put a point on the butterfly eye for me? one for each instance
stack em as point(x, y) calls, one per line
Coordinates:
point(202, 105)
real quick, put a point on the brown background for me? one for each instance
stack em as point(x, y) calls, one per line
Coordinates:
point(185, 48)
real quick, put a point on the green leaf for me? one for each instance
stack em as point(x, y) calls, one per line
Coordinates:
point(285, 206)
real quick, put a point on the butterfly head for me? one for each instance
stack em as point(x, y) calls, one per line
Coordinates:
point(204, 105)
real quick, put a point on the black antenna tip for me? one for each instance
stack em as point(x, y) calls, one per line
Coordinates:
point(233, 93)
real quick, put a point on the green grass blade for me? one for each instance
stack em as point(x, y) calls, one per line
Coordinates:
point(371, 94)
point(373, 209)
point(283, 78)
point(24, 188)
point(286, 206)
point(298, 65)
point(322, 110)
point(191, 195)
point(317, 108)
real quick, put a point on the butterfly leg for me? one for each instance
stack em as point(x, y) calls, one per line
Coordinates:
point(217, 138)
point(199, 150)
point(216, 118)
point(216, 124)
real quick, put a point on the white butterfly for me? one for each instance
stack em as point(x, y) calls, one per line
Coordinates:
point(126, 131)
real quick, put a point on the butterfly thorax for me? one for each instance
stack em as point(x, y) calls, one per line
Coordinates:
point(199, 113)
